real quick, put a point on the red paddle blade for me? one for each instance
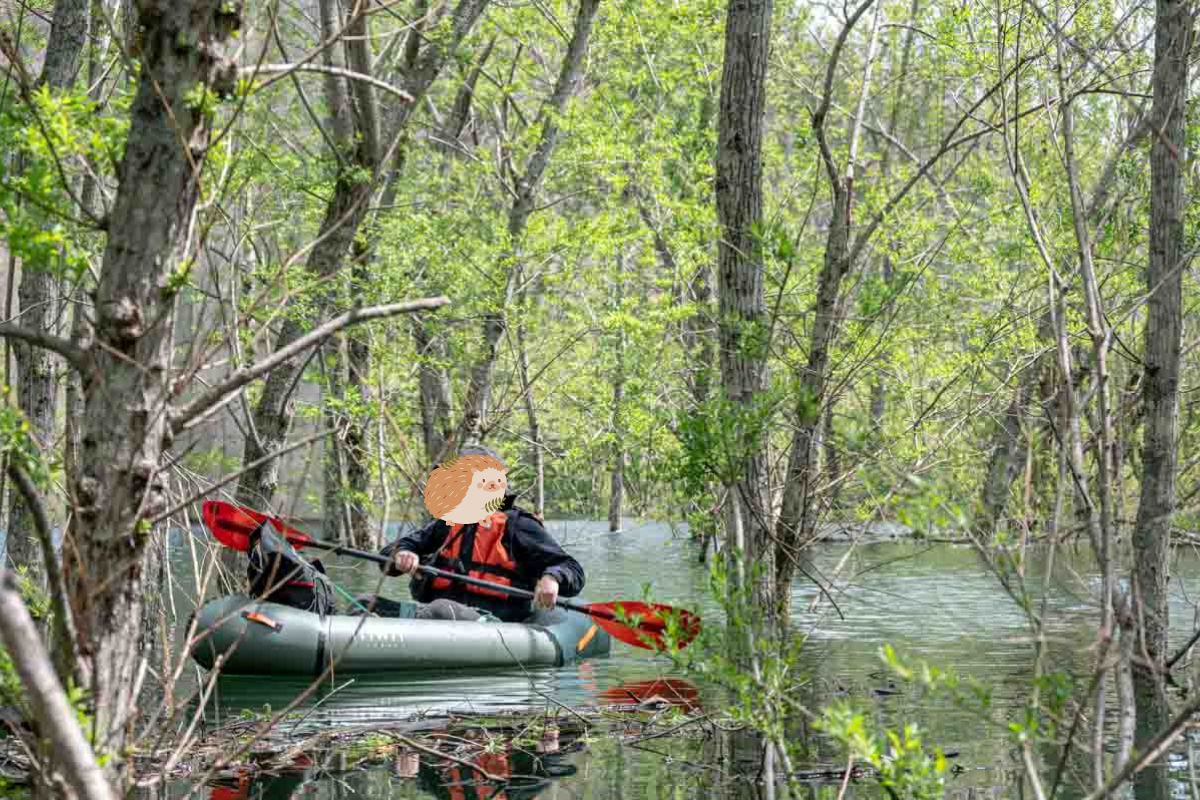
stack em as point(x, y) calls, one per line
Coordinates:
point(232, 525)
point(648, 625)
point(672, 691)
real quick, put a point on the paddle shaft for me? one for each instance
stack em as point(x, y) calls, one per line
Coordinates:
point(453, 576)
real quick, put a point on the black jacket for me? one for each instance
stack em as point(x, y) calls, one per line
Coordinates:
point(532, 548)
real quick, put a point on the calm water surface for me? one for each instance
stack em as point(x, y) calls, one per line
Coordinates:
point(932, 602)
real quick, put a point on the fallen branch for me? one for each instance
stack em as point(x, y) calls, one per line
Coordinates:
point(54, 715)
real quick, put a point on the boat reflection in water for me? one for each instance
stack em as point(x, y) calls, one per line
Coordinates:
point(485, 772)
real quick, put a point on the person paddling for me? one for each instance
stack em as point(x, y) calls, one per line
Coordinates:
point(478, 531)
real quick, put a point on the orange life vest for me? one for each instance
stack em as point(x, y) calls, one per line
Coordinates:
point(485, 558)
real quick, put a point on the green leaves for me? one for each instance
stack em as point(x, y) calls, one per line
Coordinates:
point(17, 442)
point(899, 759)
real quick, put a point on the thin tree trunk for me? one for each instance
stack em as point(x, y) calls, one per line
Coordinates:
point(537, 457)
point(1005, 458)
point(1164, 322)
point(797, 519)
point(742, 303)
point(433, 379)
point(479, 390)
point(37, 384)
point(363, 534)
point(353, 455)
point(347, 120)
point(432, 357)
point(832, 466)
point(1098, 330)
point(1011, 443)
point(334, 510)
point(345, 211)
point(617, 479)
point(878, 386)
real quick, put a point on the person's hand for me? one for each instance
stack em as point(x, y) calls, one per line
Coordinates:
point(545, 593)
point(405, 562)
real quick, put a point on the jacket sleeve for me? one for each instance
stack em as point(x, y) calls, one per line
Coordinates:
point(538, 554)
point(422, 541)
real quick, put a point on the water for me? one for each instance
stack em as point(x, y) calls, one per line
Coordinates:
point(932, 602)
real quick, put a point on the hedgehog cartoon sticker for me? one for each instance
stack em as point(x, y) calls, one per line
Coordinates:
point(466, 490)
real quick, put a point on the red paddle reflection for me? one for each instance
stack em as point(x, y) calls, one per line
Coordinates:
point(669, 691)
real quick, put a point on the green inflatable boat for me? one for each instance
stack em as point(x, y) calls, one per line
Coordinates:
point(261, 638)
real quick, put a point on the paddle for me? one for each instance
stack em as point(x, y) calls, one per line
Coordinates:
point(639, 624)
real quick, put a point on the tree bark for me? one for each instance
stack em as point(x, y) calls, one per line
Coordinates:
point(37, 385)
point(345, 212)
point(1164, 322)
point(124, 430)
point(741, 300)
point(479, 391)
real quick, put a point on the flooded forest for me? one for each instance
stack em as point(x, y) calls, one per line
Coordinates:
point(596, 399)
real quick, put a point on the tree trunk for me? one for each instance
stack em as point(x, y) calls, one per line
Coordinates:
point(126, 384)
point(334, 510)
point(432, 357)
point(1098, 332)
point(742, 304)
point(537, 454)
point(472, 429)
point(81, 310)
point(354, 473)
point(833, 461)
point(363, 534)
point(1005, 459)
point(1164, 323)
point(899, 100)
point(37, 386)
point(434, 380)
point(347, 120)
point(797, 519)
point(344, 213)
point(617, 480)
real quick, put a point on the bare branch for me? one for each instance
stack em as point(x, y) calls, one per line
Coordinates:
point(948, 144)
point(244, 376)
point(286, 69)
point(75, 356)
point(233, 476)
point(827, 93)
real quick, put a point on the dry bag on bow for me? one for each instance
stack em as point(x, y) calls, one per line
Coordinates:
point(278, 574)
